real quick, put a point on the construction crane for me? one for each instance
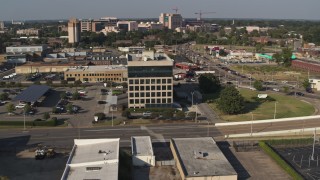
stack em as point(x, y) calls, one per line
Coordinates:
point(200, 14)
point(175, 9)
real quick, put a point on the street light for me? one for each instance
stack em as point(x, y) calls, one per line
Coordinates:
point(275, 110)
point(196, 113)
point(192, 98)
point(251, 122)
point(24, 119)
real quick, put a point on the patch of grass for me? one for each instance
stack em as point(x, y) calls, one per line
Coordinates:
point(287, 106)
point(282, 163)
point(109, 123)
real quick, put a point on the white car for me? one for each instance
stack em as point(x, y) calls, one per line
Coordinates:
point(284, 82)
point(82, 92)
point(276, 89)
point(252, 88)
point(119, 87)
point(20, 106)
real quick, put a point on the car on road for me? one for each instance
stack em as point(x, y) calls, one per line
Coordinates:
point(146, 114)
point(119, 87)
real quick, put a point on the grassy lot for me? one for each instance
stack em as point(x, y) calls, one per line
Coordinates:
point(269, 72)
point(287, 106)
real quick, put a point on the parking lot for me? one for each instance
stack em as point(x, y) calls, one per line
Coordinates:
point(88, 105)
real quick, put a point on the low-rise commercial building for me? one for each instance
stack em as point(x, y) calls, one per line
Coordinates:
point(201, 159)
point(127, 25)
point(92, 74)
point(315, 83)
point(46, 67)
point(93, 159)
point(142, 152)
point(28, 32)
point(43, 49)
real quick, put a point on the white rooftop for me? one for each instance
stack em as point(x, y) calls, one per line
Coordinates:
point(98, 68)
point(202, 157)
point(141, 146)
point(93, 159)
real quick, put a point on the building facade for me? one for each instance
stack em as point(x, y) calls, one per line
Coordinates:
point(1, 25)
point(73, 31)
point(142, 152)
point(150, 82)
point(171, 21)
point(93, 74)
point(26, 49)
point(315, 83)
point(127, 25)
point(28, 32)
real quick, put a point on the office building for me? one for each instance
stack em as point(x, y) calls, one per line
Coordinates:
point(93, 159)
point(315, 83)
point(142, 152)
point(27, 49)
point(1, 25)
point(93, 74)
point(127, 25)
point(171, 21)
point(86, 25)
point(201, 159)
point(150, 80)
point(73, 31)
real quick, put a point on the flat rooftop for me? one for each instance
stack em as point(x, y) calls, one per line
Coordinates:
point(93, 159)
point(97, 68)
point(141, 146)
point(202, 157)
point(149, 59)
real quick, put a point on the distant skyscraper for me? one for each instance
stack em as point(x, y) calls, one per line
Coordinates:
point(73, 30)
point(1, 25)
point(171, 21)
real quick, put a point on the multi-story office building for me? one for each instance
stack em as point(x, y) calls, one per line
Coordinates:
point(171, 21)
point(1, 25)
point(92, 74)
point(86, 25)
point(73, 30)
point(150, 80)
point(30, 31)
point(127, 25)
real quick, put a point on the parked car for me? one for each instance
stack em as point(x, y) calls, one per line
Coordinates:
point(119, 87)
point(20, 106)
point(82, 92)
point(276, 89)
point(299, 94)
point(146, 114)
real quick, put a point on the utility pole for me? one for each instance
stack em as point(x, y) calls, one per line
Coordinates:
point(251, 122)
point(275, 110)
point(196, 113)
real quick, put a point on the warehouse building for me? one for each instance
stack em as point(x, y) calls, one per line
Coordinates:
point(201, 159)
point(142, 152)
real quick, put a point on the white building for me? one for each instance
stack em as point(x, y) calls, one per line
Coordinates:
point(93, 159)
point(171, 21)
point(131, 49)
point(30, 31)
point(315, 83)
point(252, 28)
point(1, 25)
point(142, 152)
point(26, 49)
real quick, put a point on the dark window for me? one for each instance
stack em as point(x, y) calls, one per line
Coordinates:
point(163, 94)
point(142, 94)
point(136, 94)
point(158, 81)
point(158, 94)
point(151, 71)
point(158, 87)
point(169, 87)
point(141, 88)
point(136, 88)
point(164, 87)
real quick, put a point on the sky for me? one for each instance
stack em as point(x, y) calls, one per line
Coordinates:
point(84, 9)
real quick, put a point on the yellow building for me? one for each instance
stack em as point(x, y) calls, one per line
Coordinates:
point(94, 74)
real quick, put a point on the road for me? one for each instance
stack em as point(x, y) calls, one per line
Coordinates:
point(65, 136)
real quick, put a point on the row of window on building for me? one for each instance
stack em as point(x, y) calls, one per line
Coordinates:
point(150, 101)
point(150, 94)
point(88, 75)
point(150, 81)
point(152, 88)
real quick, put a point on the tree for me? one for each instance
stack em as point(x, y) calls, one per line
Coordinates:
point(69, 108)
point(180, 115)
point(63, 82)
point(285, 89)
point(231, 101)
point(209, 83)
point(100, 115)
point(192, 115)
point(63, 95)
point(54, 110)
point(167, 114)
point(306, 84)
point(75, 96)
point(77, 83)
point(10, 108)
point(126, 114)
point(4, 96)
point(46, 115)
point(283, 58)
point(258, 85)
point(27, 108)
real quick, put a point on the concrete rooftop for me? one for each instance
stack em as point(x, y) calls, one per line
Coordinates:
point(141, 146)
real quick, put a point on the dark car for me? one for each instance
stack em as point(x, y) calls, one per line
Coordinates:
point(300, 94)
point(291, 93)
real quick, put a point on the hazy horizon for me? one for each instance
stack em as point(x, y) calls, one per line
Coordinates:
point(227, 9)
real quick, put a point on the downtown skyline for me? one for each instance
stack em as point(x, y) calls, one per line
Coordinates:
point(244, 9)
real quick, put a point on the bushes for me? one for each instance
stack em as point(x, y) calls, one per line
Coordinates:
point(101, 116)
point(266, 148)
